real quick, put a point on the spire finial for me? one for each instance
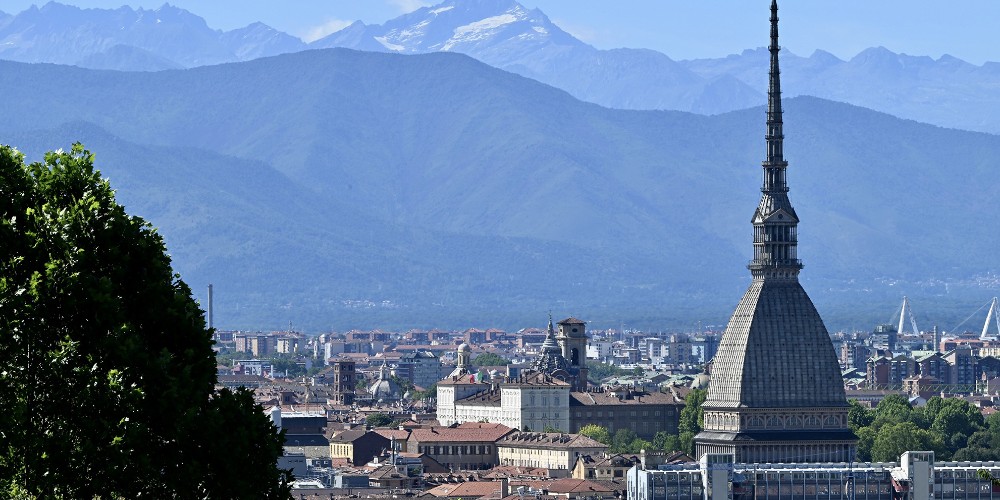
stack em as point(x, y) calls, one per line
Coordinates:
point(775, 137)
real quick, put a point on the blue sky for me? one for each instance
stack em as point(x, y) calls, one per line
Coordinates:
point(682, 29)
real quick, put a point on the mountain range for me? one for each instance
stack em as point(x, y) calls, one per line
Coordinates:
point(946, 92)
point(337, 188)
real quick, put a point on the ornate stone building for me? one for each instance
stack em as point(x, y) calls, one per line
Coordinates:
point(535, 400)
point(776, 393)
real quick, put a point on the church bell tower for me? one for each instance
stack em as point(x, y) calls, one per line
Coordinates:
point(572, 339)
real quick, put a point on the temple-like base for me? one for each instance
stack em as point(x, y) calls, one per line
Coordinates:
point(780, 447)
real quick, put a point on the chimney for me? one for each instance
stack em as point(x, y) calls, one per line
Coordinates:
point(210, 306)
point(504, 488)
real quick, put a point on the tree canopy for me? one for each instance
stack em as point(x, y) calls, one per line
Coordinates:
point(107, 372)
point(691, 419)
point(378, 420)
point(597, 433)
point(490, 359)
point(951, 427)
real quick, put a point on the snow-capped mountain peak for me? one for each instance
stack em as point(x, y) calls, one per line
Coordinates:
point(468, 26)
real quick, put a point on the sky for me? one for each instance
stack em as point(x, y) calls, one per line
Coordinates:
point(682, 29)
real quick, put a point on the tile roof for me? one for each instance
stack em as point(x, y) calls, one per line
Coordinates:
point(306, 440)
point(397, 434)
point(549, 440)
point(514, 471)
point(460, 434)
point(349, 436)
point(474, 489)
point(635, 398)
point(482, 398)
point(571, 485)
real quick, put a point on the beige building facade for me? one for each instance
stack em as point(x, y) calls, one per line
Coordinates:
point(547, 450)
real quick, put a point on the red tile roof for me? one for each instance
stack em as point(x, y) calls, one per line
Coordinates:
point(460, 434)
point(473, 489)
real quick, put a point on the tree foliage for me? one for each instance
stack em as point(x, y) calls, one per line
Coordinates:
point(597, 371)
point(106, 366)
point(692, 416)
point(490, 359)
point(621, 442)
point(952, 428)
point(894, 439)
point(430, 392)
point(597, 433)
point(666, 441)
point(378, 420)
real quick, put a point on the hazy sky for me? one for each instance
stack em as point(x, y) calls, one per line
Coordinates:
point(682, 29)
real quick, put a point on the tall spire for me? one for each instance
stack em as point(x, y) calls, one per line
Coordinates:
point(776, 393)
point(775, 221)
point(775, 137)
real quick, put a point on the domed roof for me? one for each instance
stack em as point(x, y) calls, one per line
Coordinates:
point(384, 389)
point(464, 348)
point(701, 381)
point(551, 358)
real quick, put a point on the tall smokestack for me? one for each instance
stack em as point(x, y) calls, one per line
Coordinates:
point(209, 305)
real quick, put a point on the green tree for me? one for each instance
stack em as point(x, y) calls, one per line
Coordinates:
point(687, 442)
point(858, 416)
point(597, 433)
point(430, 392)
point(106, 366)
point(637, 445)
point(287, 363)
point(622, 441)
point(378, 420)
point(893, 409)
point(597, 372)
point(665, 441)
point(866, 438)
point(490, 359)
point(405, 384)
point(692, 416)
point(893, 439)
point(953, 420)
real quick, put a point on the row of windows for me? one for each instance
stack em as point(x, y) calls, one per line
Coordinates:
point(633, 413)
point(456, 450)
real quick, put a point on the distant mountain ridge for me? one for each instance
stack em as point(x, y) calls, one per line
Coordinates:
point(163, 38)
point(337, 188)
point(946, 92)
point(506, 35)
